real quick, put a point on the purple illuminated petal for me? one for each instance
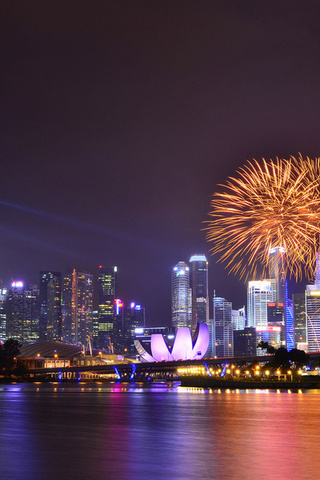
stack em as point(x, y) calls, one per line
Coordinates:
point(145, 356)
point(201, 342)
point(159, 348)
point(182, 347)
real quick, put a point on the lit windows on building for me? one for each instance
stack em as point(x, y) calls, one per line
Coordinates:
point(313, 317)
point(180, 296)
point(200, 292)
point(107, 281)
point(22, 312)
point(260, 294)
point(222, 327)
point(50, 328)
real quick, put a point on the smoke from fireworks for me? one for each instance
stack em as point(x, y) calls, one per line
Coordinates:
point(267, 204)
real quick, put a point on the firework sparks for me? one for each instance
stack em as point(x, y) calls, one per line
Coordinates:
point(268, 204)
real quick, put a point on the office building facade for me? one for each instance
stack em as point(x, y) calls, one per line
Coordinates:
point(299, 319)
point(50, 328)
point(200, 292)
point(107, 284)
point(22, 312)
point(312, 302)
point(259, 295)
point(180, 296)
point(3, 314)
point(222, 327)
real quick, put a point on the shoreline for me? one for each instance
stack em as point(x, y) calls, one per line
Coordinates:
point(209, 382)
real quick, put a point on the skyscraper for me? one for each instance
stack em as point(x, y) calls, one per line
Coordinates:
point(260, 294)
point(180, 296)
point(50, 306)
point(134, 317)
point(3, 315)
point(239, 318)
point(68, 313)
point(223, 327)
point(277, 273)
point(77, 307)
point(300, 320)
point(280, 297)
point(107, 282)
point(22, 312)
point(313, 317)
point(245, 343)
point(200, 293)
point(84, 307)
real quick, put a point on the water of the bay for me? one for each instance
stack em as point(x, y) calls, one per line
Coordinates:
point(161, 431)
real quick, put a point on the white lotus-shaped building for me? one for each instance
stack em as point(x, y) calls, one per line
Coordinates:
point(185, 347)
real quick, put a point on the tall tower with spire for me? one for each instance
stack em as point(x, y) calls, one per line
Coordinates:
point(280, 296)
point(277, 273)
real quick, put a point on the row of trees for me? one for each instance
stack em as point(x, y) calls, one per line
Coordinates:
point(284, 358)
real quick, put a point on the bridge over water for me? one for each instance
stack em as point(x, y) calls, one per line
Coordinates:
point(135, 372)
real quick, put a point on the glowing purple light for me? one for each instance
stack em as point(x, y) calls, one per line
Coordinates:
point(118, 304)
point(184, 347)
point(17, 284)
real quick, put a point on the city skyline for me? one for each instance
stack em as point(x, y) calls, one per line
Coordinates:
point(119, 121)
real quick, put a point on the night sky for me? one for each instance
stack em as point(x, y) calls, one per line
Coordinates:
point(119, 118)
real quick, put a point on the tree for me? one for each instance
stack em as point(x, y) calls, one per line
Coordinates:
point(266, 346)
point(8, 355)
point(281, 358)
point(298, 357)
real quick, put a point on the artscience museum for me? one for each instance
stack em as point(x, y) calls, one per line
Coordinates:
point(184, 346)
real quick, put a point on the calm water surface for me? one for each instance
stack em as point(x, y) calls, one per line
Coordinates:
point(129, 432)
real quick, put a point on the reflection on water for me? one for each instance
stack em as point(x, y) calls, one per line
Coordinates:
point(128, 432)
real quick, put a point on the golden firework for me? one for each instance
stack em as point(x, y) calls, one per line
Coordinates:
point(267, 204)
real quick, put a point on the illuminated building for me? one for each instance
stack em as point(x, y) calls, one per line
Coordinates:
point(126, 319)
point(239, 318)
point(313, 317)
point(107, 282)
point(77, 310)
point(144, 334)
point(22, 313)
point(276, 273)
point(117, 334)
point(300, 319)
point(270, 334)
point(260, 294)
point(50, 306)
point(280, 294)
point(180, 296)
point(199, 287)
point(245, 343)
point(134, 317)
point(181, 347)
point(95, 328)
point(312, 302)
point(3, 315)
point(222, 327)
point(66, 305)
point(289, 322)
point(84, 306)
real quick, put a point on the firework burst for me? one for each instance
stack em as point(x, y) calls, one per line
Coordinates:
point(267, 204)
